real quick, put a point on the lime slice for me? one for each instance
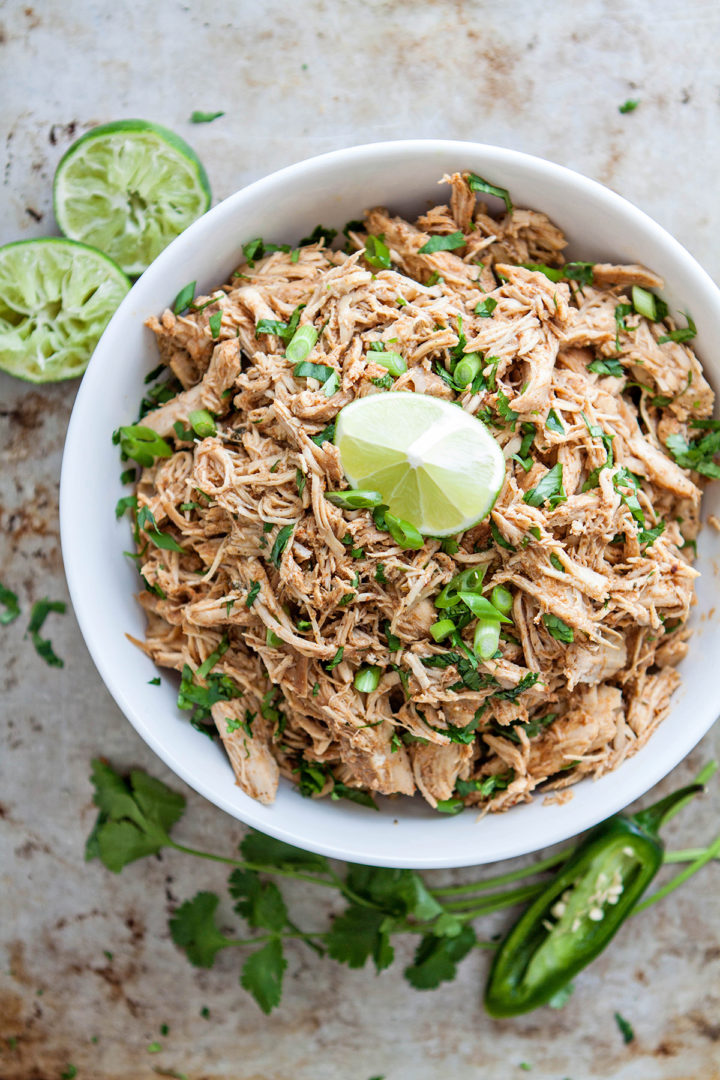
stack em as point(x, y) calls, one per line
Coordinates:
point(129, 188)
point(56, 298)
point(434, 465)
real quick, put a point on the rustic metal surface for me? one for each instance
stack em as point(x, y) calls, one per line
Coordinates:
point(89, 973)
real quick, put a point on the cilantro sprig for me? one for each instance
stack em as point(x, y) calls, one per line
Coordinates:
point(137, 813)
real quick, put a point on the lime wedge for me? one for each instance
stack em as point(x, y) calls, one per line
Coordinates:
point(434, 465)
point(129, 188)
point(56, 298)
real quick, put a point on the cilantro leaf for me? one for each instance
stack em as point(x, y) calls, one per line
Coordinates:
point(326, 435)
point(442, 243)
point(280, 544)
point(135, 817)
point(554, 423)
point(476, 183)
point(198, 117)
point(262, 974)
point(193, 928)
point(683, 333)
point(355, 935)
point(548, 489)
point(320, 232)
point(436, 958)
point(38, 614)
point(397, 892)
point(697, 454)
point(557, 628)
point(485, 308)
point(628, 106)
point(10, 602)
point(607, 367)
point(625, 1028)
point(260, 903)
point(272, 854)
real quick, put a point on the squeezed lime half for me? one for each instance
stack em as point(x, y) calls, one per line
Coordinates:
point(129, 188)
point(435, 465)
point(56, 298)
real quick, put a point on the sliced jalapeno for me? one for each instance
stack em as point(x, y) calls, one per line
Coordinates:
point(581, 909)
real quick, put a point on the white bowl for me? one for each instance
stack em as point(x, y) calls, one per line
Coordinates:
point(332, 189)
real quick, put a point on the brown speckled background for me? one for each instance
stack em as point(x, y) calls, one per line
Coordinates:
point(546, 78)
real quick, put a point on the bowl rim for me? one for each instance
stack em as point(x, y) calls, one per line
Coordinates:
point(560, 829)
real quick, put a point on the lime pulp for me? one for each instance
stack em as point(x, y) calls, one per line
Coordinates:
point(129, 188)
point(56, 298)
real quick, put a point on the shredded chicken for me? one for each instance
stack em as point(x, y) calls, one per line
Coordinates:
point(285, 595)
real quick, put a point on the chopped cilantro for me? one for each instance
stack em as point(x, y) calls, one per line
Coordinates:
point(337, 658)
point(548, 489)
point(205, 117)
point(607, 367)
point(625, 1028)
point(320, 232)
point(38, 614)
point(280, 544)
point(628, 106)
point(554, 423)
point(485, 308)
point(557, 628)
point(326, 435)
point(442, 243)
point(684, 333)
point(10, 602)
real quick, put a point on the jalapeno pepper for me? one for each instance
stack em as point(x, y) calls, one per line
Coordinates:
point(581, 909)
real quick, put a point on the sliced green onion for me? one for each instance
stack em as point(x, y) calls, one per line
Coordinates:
point(481, 606)
point(302, 342)
point(366, 679)
point(403, 533)
point(487, 638)
point(142, 444)
point(644, 302)
point(502, 599)
point(272, 639)
point(468, 581)
point(393, 361)
point(184, 298)
point(441, 629)
point(202, 423)
point(354, 499)
point(467, 368)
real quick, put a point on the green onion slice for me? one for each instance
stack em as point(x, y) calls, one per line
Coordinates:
point(354, 499)
point(481, 606)
point(501, 598)
point(487, 638)
point(366, 679)
point(202, 423)
point(301, 345)
point(468, 581)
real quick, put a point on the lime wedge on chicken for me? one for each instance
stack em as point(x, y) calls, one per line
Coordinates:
point(435, 465)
